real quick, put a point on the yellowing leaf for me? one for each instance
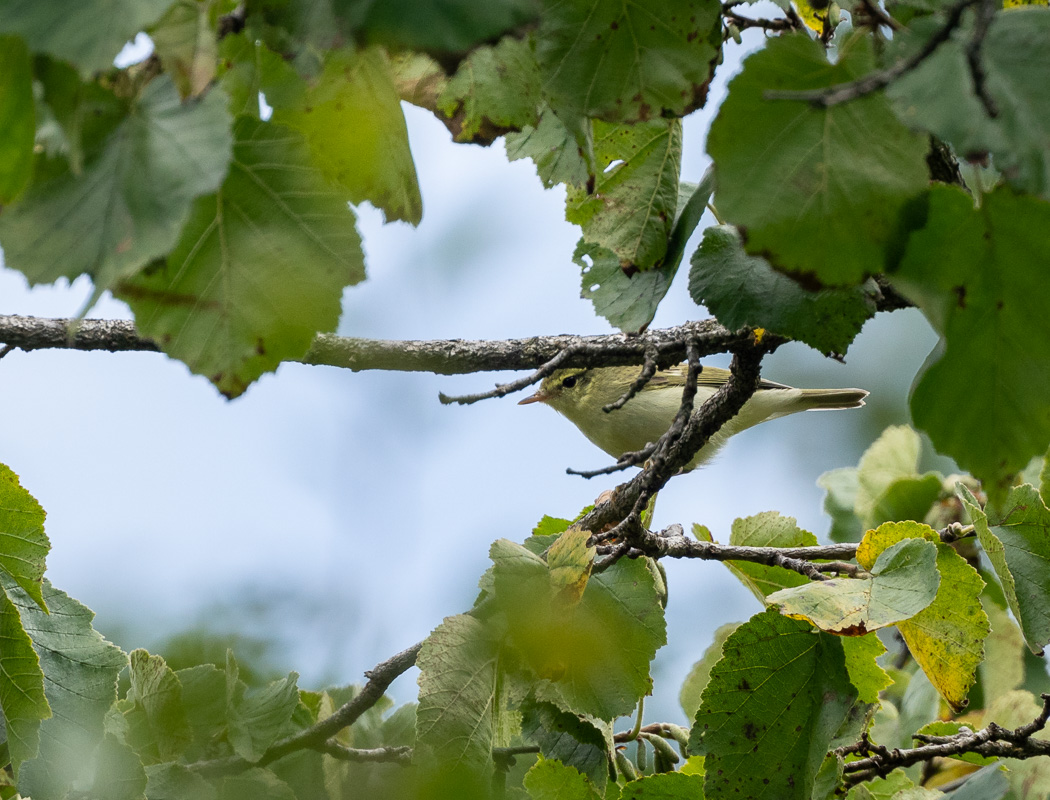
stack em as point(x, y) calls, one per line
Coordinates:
point(946, 638)
point(904, 581)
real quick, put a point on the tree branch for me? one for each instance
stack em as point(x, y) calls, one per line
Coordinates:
point(390, 755)
point(992, 741)
point(443, 357)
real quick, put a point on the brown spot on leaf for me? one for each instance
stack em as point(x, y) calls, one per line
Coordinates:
point(960, 296)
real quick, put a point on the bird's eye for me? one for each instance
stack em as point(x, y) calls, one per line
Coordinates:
point(569, 382)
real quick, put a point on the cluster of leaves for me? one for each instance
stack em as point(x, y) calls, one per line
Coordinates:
point(526, 687)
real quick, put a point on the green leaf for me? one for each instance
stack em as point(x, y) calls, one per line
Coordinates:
point(89, 35)
point(157, 724)
point(119, 774)
point(594, 654)
point(352, 120)
point(820, 192)
point(204, 700)
point(842, 486)
point(894, 455)
point(256, 718)
point(1015, 60)
point(80, 682)
point(744, 291)
point(773, 704)
point(624, 62)
point(1017, 543)
point(947, 637)
point(864, 671)
point(187, 43)
point(22, 701)
point(496, 89)
point(1029, 779)
point(248, 68)
point(628, 298)
point(628, 301)
point(568, 738)
point(554, 149)
point(17, 118)
point(23, 543)
point(132, 200)
point(177, 782)
point(977, 275)
point(632, 206)
point(667, 786)
point(904, 581)
point(767, 529)
point(696, 681)
point(907, 498)
point(255, 784)
point(457, 695)
point(441, 26)
point(1003, 667)
point(552, 780)
point(223, 302)
point(988, 783)
point(884, 789)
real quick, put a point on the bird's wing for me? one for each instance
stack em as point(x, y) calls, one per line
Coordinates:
point(709, 376)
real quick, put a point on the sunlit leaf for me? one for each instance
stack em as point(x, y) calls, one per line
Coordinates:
point(552, 780)
point(352, 121)
point(22, 701)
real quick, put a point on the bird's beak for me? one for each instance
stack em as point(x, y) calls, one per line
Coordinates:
point(539, 397)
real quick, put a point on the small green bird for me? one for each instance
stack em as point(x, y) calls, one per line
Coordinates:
point(580, 395)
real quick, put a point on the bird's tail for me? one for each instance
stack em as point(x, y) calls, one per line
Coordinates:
point(832, 398)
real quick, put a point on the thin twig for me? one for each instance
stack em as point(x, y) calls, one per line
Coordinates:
point(7, 348)
point(874, 10)
point(639, 383)
point(315, 737)
point(632, 458)
point(503, 389)
point(985, 12)
point(844, 92)
point(743, 23)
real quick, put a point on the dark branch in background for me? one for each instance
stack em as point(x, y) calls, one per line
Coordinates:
point(872, 10)
point(844, 92)
point(985, 11)
point(992, 741)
